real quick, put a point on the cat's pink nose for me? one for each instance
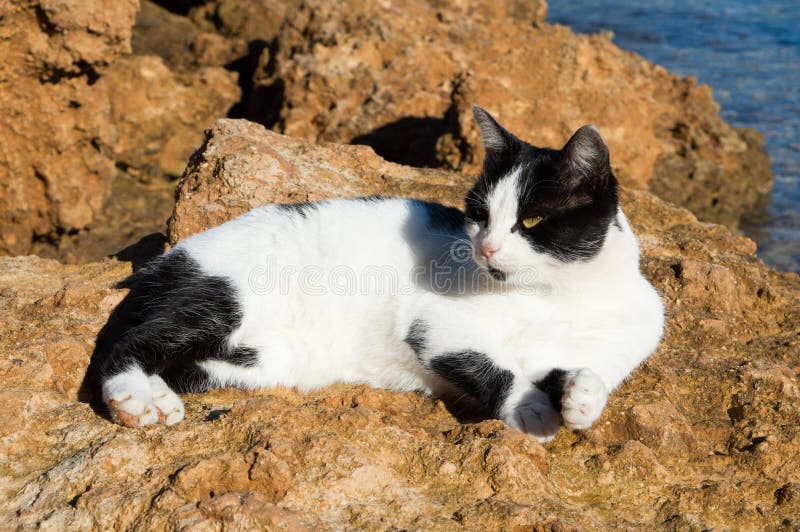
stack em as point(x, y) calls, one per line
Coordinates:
point(487, 251)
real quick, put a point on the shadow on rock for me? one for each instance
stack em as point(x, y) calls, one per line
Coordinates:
point(410, 141)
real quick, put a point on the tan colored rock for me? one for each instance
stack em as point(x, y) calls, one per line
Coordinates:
point(258, 21)
point(662, 428)
point(401, 76)
point(75, 106)
point(159, 114)
point(243, 165)
point(55, 133)
point(180, 42)
point(355, 457)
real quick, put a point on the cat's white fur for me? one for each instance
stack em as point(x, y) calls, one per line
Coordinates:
point(315, 317)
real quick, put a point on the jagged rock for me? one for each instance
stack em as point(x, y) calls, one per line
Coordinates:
point(160, 115)
point(704, 435)
point(180, 42)
point(243, 165)
point(75, 106)
point(56, 137)
point(401, 77)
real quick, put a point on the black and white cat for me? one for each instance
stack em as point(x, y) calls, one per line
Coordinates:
point(532, 303)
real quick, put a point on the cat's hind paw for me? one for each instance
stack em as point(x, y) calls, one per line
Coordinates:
point(583, 400)
point(169, 405)
point(132, 403)
point(533, 414)
point(129, 400)
point(130, 406)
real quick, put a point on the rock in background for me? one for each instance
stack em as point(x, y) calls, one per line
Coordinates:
point(76, 109)
point(704, 435)
point(402, 76)
point(99, 111)
point(56, 136)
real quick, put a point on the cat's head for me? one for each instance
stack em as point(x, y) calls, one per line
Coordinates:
point(535, 211)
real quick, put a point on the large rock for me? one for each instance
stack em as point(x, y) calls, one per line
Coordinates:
point(704, 435)
point(56, 136)
point(82, 119)
point(242, 165)
point(401, 76)
point(160, 115)
point(76, 106)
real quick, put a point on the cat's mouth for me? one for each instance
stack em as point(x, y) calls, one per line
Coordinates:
point(496, 274)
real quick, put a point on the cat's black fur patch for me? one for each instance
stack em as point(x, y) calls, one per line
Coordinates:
point(476, 374)
point(301, 208)
point(417, 337)
point(498, 275)
point(174, 317)
point(372, 197)
point(577, 206)
point(553, 385)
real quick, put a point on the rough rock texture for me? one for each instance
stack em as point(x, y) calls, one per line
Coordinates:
point(172, 88)
point(75, 107)
point(253, 21)
point(160, 115)
point(243, 165)
point(56, 139)
point(401, 76)
point(704, 435)
point(78, 112)
point(181, 42)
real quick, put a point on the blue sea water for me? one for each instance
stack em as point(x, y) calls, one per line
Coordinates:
point(749, 53)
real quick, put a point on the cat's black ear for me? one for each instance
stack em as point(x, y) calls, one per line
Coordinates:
point(584, 158)
point(496, 139)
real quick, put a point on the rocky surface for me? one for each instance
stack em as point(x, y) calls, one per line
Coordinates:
point(56, 135)
point(76, 108)
point(402, 76)
point(242, 165)
point(100, 105)
point(160, 115)
point(704, 435)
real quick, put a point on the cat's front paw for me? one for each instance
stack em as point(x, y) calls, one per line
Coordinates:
point(533, 413)
point(583, 400)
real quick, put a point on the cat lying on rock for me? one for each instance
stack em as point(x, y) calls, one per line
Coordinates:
point(530, 302)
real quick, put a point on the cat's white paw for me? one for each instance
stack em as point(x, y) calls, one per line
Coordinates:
point(583, 399)
point(169, 405)
point(129, 399)
point(131, 407)
point(136, 400)
point(533, 413)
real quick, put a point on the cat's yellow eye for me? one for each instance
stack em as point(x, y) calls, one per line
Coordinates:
point(530, 222)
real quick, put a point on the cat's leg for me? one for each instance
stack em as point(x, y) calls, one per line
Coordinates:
point(580, 395)
point(139, 376)
point(134, 395)
point(174, 319)
point(507, 394)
